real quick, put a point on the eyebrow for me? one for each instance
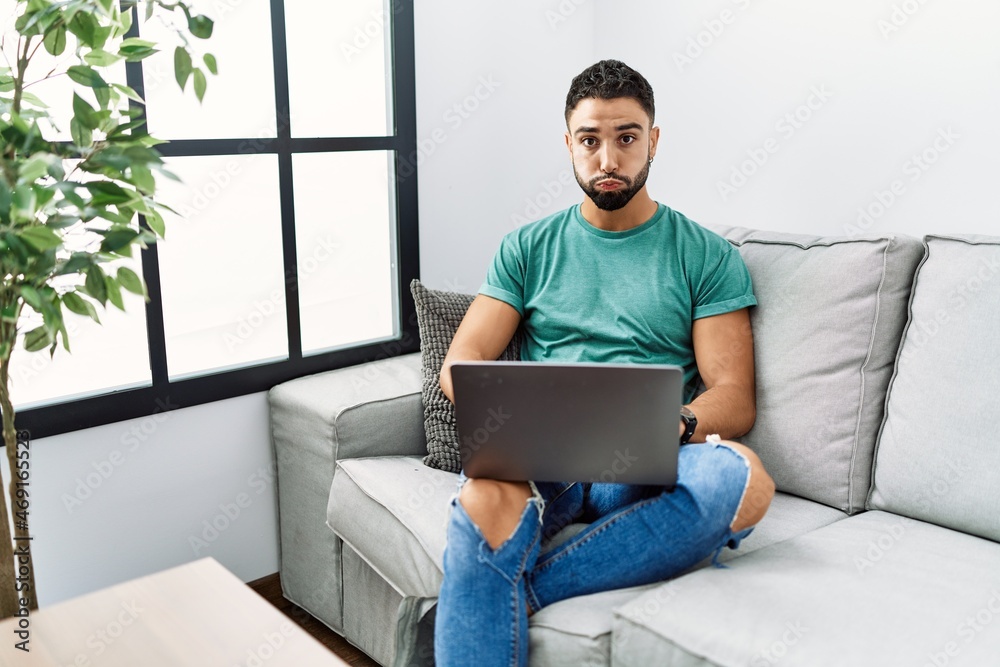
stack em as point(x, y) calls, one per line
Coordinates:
point(620, 128)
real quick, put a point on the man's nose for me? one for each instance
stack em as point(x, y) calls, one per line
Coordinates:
point(609, 159)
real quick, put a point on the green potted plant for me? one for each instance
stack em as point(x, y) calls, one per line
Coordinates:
point(71, 210)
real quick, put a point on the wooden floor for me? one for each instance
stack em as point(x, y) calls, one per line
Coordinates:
point(269, 588)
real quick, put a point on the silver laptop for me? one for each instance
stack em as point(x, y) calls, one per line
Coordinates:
point(579, 422)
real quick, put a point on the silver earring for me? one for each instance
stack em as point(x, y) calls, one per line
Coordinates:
point(650, 160)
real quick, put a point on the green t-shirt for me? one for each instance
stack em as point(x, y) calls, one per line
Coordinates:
point(586, 294)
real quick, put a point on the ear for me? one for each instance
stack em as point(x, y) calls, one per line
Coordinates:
point(654, 139)
point(569, 143)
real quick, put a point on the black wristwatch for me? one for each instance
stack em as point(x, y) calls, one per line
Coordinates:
point(690, 424)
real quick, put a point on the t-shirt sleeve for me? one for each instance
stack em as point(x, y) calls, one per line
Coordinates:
point(725, 285)
point(505, 277)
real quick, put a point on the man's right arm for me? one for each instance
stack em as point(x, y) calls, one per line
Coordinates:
point(486, 329)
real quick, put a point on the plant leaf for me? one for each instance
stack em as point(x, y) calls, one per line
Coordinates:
point(34, 168)
point(211, 64)
point(128, 92)
point(155, 222)
point(55, 41)
point(135, 42)
point(56, 170)
point(84, 26)
point(16, 246)
point(61, 221)
point(64, 334)
point(142, 178)
point(199, 84)
point(85, 114)
point(33, 100)
point(86, 76)
point(75, 264)
point(24, 202)
point(126, 20)
point(135, 49)
point(37, 339)
point(82, 135)
point(6, 198)
point(116, 239)
point(114, 292)
point(107, 192)
point(94, 284)
point(44, 194)
point(32, 297)
point(68, 190)
point(9, 314)
point(182, 66)
point(77, 304)
point(100, 58)
point(101, 34)
point(131, 281)
point(103, 96)
point(40, 238)
point(200, 26)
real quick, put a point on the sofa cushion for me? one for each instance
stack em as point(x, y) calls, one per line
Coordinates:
point(438, 316)
point(938, 456)
point(577, 632)
point(866, 591)
point(826, 328)
point(400, 526)
point(393, 512)
point(788, 516)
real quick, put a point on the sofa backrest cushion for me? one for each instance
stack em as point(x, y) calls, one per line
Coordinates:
point(938, 456)
point(826, 329)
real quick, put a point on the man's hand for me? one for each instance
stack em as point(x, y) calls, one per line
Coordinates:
point(723, 350)
point(486, 330)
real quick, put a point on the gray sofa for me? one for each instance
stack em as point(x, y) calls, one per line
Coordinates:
point(878, 380)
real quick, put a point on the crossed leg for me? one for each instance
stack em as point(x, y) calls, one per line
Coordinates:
point(719, 493)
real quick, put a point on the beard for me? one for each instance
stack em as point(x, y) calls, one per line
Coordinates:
point(615, 199)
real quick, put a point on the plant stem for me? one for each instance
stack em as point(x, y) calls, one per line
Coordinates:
point(8, 595)
point(22, 64)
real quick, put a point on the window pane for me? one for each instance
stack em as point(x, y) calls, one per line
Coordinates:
point(239, 102)
point(104, 357)
point(345, 238)
point(338, 80)
point(221, 264)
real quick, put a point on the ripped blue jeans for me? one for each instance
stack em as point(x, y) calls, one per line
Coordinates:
point(636, 535)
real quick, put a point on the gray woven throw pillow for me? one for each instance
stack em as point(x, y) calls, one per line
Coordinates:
point(438, 316)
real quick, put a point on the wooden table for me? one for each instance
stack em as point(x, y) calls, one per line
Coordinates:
point(188, 616)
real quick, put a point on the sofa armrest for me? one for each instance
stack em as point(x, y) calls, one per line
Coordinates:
point(369, 410)
point(373, 409)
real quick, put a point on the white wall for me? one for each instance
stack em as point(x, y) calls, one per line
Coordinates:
point(500, 159)
point(898, 83)
point(119, 501)
point(903, 126)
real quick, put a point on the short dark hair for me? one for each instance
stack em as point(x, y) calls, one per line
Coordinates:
point(608, 80)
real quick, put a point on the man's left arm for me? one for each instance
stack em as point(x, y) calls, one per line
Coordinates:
point(723, 350)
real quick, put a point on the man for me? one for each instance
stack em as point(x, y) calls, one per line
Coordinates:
point(619, 278)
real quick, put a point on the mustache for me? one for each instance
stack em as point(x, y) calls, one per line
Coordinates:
point(614, 176)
